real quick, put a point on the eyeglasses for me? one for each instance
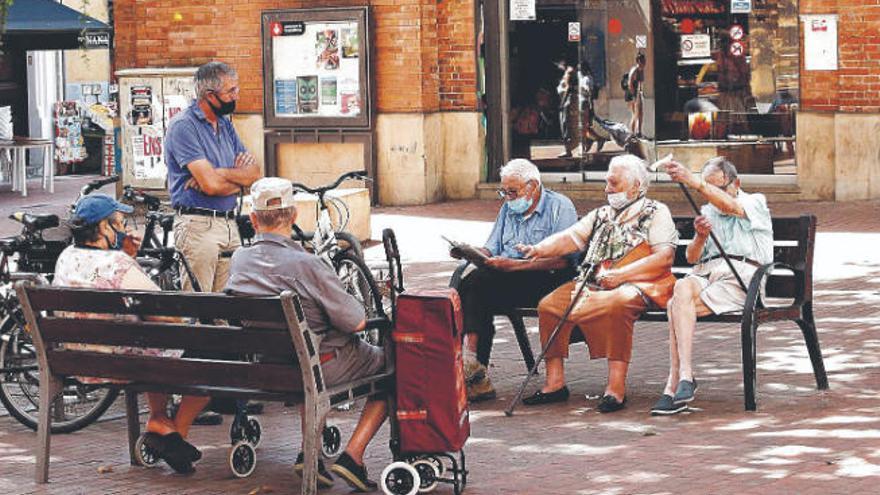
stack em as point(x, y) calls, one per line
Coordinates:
point(507, 193)
point(233, 91)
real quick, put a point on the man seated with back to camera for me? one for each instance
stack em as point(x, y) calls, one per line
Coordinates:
point(275, 263)
point(530, 213)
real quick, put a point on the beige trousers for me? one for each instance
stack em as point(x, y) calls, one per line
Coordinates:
point(202, 239)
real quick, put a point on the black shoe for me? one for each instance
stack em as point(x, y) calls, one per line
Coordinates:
point(353, 474)
point(208, 418)
point(253, 408)
point(667, 407)
point(685, 391)
point(609, 404)
point(325, 479)
point(538, 398)
point(169, 449)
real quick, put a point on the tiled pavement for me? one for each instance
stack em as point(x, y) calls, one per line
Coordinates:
point(799, 442)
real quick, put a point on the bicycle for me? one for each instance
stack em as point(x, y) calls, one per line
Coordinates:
point(35, 257)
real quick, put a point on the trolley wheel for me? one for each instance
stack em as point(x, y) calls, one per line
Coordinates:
point(331, 441)
point(242, 459)
point(400, 478)
point(253, 431)
point(437, 462)
point(428, 475)
point(144, 455)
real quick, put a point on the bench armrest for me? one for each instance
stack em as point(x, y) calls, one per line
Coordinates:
point(754, 297)
point(383, 324)
point(457, 275)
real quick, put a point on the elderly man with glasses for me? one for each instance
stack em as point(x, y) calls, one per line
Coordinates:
point(529, 214)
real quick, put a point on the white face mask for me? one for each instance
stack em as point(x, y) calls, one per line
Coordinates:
point(618, 200)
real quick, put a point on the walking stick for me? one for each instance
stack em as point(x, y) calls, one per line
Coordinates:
point(534, 370)
point(659, 164)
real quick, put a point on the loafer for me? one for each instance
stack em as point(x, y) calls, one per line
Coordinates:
point(666, 406)
point(609, 404)
point(538, 398)
point(685, 391)
point(208, 418)
point(325, 479)
point(168, 448)
point(354, 474)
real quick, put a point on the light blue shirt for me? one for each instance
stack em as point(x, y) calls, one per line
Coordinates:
point(750, 236)
point(554, 213)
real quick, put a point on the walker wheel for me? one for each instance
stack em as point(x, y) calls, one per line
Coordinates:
point(145, 456)
point(331, 441)
point(399, 478)
point(428, 475)
point(242, 459)
point(253, 431)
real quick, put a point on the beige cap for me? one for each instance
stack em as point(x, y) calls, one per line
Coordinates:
point(272, 193)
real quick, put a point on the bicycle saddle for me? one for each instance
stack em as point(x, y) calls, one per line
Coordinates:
point(36, 222)
point(167, 222)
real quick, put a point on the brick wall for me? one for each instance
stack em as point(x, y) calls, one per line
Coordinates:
point(855, 86)
point(423, 50)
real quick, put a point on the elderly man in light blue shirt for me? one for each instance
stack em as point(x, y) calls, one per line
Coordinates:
point(741, 223)
point(529, 214)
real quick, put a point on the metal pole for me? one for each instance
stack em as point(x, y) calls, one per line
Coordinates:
point(690, 199)
point(532, 372)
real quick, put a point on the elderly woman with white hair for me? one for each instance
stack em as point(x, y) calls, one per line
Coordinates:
point(631, 242)
point(529, 214)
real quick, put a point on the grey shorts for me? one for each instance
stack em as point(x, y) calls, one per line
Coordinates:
point(720, 291)
point(356, 359)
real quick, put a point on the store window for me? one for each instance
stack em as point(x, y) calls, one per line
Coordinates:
point(726, 77)
point(589, 79)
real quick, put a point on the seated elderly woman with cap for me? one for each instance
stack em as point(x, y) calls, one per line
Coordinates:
point(102, 257)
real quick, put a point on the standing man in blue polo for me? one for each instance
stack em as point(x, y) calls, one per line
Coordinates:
point(207, 167)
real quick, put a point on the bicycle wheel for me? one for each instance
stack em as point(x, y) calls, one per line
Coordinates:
point(348, 242)
point(80, 405)
point(359, 282)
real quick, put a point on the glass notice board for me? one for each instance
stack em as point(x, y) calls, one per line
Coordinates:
point(316, 68)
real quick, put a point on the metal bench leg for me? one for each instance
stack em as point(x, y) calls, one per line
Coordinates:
point(749, 330)
point(50, 386)
point(522, 338)
point(811, 338)
point(132, 417)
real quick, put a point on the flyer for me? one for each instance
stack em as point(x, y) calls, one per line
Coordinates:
point(328, 91)
point(307, 91)
point(327, 48)
point(285, 97)
point(350, 43)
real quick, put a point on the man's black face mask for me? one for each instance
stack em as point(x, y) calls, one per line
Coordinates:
point(224, 108)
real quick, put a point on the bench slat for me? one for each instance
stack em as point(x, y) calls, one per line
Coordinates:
point(272, 342)
point(156, 303)
point(234, 393)
point(176, 372)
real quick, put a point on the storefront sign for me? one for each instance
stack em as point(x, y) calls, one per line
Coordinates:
point(96, 40)
point(740, 6)
point(736, 32)
point(695, 46)
point(574, 31)
point(820, 42)
point(522, 10)
point(737, 49)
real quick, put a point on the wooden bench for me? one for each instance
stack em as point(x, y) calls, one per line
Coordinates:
point(275, 328)
point(789, 282)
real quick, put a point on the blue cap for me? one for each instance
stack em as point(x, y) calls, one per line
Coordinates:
point(96, 207)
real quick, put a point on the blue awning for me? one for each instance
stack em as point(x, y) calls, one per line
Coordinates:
point(48, 25)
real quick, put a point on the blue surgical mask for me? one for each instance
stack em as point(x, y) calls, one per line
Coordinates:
point(118, 241)
point(520, 205)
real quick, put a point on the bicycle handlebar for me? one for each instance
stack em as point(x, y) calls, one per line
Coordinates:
point(357, 175)
point(152, 202)
point(99, 183)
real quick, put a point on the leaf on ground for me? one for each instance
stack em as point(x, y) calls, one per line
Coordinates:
point(649, 432)
point(105, 469)
point(261, 490)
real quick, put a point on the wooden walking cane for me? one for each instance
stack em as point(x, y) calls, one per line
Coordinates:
point(659, 165)
point(534, 370)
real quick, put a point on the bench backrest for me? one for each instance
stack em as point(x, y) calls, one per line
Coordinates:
point(793, 241)
point(205, 324)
